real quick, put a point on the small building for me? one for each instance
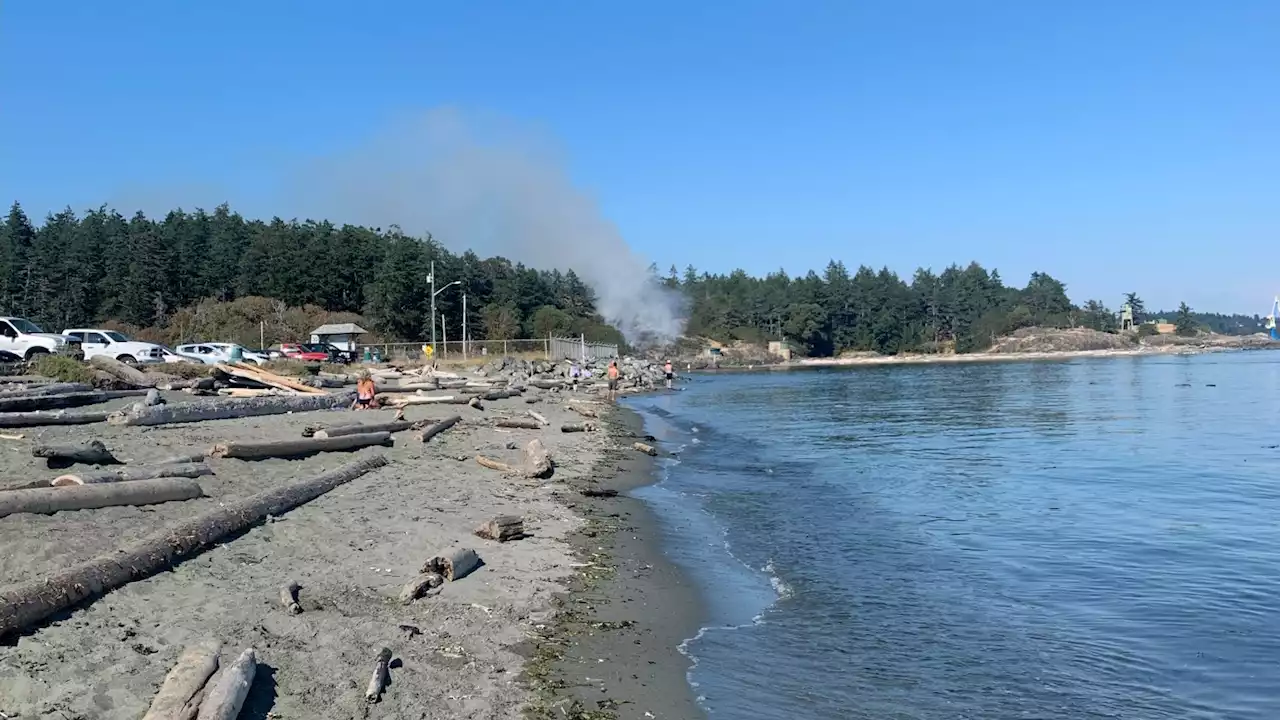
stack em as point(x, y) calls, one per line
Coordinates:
point(781, 348)
point(344, 336)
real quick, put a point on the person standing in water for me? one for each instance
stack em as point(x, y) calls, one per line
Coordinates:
point(613, 380)
point(670, 373)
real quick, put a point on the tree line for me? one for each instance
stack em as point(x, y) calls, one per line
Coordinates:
point(100, 267)
point(174, 274)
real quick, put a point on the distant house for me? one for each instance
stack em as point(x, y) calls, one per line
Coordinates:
point(344, 336)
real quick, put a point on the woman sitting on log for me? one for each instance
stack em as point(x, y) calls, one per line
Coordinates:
point(366, 392)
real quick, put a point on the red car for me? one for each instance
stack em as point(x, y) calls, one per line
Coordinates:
point(305, 353)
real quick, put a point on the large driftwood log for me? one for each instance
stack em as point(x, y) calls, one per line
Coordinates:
point(577, 427)
point(453, 564)
point(29, 403)
point(46, 389)
point(420, 586)
point(499, 395)
point(86, 497)
point(123, 373)
point(92, 452)
point(583, 411)
point(646, 449)
point(494, 464)
point(181, 691)
point(181, 459)
point(301, 447)
point(226, 695)
point(547, 384)
point(405, 387)
point(439, 427)
point(25, 604)
point(36, 419)
point(539, 417)
point(502, 528)
point(133, 473)
point(389, 427)
point(518, 423)
point(378, 682)
point(199, 410)
point(402, 400)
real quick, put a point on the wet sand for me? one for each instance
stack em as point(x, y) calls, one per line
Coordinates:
point(460, 654)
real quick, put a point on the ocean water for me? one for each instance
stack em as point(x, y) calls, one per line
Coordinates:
point(1085, 539)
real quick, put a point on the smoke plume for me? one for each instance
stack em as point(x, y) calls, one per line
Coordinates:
point(496, 190)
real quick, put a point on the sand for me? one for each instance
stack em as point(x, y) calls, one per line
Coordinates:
point(456, 655)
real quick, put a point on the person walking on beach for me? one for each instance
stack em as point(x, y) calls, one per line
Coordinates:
point(613, 380)
point(670, 373)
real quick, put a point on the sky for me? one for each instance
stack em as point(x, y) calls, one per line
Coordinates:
point(1118, 146)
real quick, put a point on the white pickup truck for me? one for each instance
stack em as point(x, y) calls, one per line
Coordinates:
point(95, 341)
point(21, 338)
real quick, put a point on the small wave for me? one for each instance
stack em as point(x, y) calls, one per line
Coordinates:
point(780, 586)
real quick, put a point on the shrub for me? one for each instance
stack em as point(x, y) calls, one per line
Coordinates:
point(64, 369)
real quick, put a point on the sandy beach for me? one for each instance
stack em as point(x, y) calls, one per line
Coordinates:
point(460, 654)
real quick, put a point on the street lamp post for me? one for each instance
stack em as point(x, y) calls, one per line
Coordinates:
point(434, 293)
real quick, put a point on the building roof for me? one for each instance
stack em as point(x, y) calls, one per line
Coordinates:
point(339, 329)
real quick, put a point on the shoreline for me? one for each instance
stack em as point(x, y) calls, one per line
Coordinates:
point(615, 649)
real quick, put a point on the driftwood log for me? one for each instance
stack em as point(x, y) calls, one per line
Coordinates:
point(29, 403)
point(199, 410)
point(646, 449)
point(289, 597)
point(225, 696)
point(388, 427)
point(302, 447)
point(45, 500)
point(91, 452)
point(23, 605)
point(254, 374)
point(577, 427)
point(539, 417)
point(378, 682)
point(518, 423)
point(46, 389)
point(583, 411)
point(599, 492)
point(453, 564)
point(122, 372)
point(420, 586)
point(475, 403)
point(502, 528)
point(493, 395)
point(36, 419)
point(182, 459)
point(547, 384)
point(401, 400)
point(183, 687)
point(436, 428)
point(494, 464)
point(133, 473)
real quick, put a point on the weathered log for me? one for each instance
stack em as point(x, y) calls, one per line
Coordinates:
point(226, 695)
point(583, 411)
point(502, 528)
point(646, 449)
point(539, 417)
point(577, 427)
point(518, 423)
point(378, 682)
point(499, 395)
point(46, 389)
point(25, 604)
point(420, 586)
point(405, 387)
point(199, 410)
point(181, 690)
point(547, 384)
point(133, 473)
point(475, 403)
point(289, 597)
point(389, 427)
point(453, 564)
point(299, 448)
point(537, 460)
point(399, 400)
point(47, 500)
point(92, 452)
point(60, 417)
point(494, 464)
point(201, 383)
point(122, 372)
point(439, 427)
point(29, 403)
point(182, 459)
point(599, 492)
point(264, 377)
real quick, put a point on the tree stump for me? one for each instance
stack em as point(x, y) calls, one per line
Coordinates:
point(502, 528)
point(453, 564)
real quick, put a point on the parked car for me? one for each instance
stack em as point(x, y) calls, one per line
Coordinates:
point(214, 353)
point(21, 338)
point(94, 341)
point(305, 352)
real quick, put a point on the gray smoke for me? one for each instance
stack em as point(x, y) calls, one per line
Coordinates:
point(496, 190)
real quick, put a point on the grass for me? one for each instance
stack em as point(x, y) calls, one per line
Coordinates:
point(64, 369)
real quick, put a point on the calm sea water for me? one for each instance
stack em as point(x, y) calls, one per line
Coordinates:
point(1090, 539)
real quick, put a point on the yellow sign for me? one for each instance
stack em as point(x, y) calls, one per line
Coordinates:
point(427, 350)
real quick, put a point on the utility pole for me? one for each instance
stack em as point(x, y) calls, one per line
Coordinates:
point(432, 278)
point(464, 327)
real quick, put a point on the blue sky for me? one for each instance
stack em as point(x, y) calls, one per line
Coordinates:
point(1116, 145)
